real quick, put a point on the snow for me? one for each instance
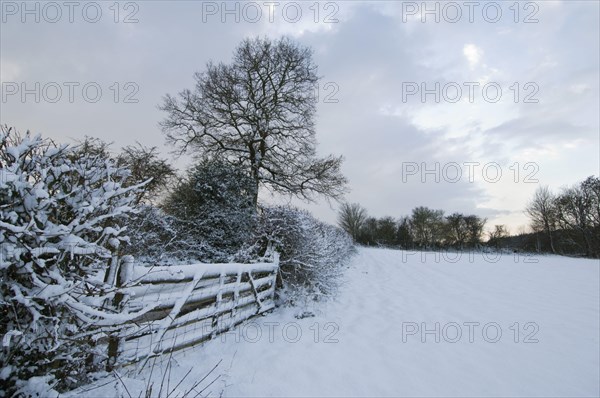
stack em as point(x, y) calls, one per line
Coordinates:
point(188, 271)
point(8, 336)
point(355, 345)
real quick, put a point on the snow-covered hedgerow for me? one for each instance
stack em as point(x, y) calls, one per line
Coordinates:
point(206, 217)
point(213, 207)
point(158, 238)
point(312, 253)
point(57, 229)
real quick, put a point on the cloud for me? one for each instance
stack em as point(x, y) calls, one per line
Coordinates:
point(369, 53)
point(9, 71)
point(473, 54)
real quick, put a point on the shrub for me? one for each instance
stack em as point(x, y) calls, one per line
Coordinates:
point(312, 253)
point(162, 239)
point(58, 227)
point(214, 207)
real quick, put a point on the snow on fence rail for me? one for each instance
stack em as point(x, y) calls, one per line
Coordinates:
point(181, 306)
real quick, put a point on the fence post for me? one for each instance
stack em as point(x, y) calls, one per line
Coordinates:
point(125, 271)
point(278, 275)
point(278, 278)
point(216, 323)
point(109, 277)
point(236, 296)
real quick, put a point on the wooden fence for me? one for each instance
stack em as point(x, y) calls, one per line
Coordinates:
point(181, 306)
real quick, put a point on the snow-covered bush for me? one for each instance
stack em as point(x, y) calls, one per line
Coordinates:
point(213, 207)
point(161, 239)
point(312, 253)
point(58, 227)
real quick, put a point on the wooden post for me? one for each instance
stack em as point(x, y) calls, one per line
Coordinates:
point(123, 278)
point(278, 275)
point(236, 295)
point(109, 277)
point(125, 271)
point(216, 323)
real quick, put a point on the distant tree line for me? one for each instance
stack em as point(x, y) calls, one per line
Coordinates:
point(567, 222)
point(425, 228)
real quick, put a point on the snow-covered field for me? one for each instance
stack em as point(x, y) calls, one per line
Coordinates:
point(378, 338)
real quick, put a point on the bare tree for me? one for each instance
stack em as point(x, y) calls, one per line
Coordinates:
point(495, 236)
point(427, 226)
point(351, 218)
point(542, 212)
point(386, 231)
point(591, 187)
point(144, 164)
point(457, 230)
point(474, 226)
point(258, 112)
point(576, 210)
point(404, 233)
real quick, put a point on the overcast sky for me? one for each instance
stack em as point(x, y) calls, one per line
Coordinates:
point(375, 59)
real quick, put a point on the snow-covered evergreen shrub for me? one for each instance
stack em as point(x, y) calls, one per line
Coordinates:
point(213, 207)
point(312, 253)
point(58, 227)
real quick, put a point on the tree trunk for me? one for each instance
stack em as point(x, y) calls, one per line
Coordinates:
point(255, 174)
point(255, 195)
point(588, 244)
point(551, 242)
point(549, 232)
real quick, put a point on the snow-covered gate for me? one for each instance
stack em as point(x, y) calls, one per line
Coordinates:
point(185, 305)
